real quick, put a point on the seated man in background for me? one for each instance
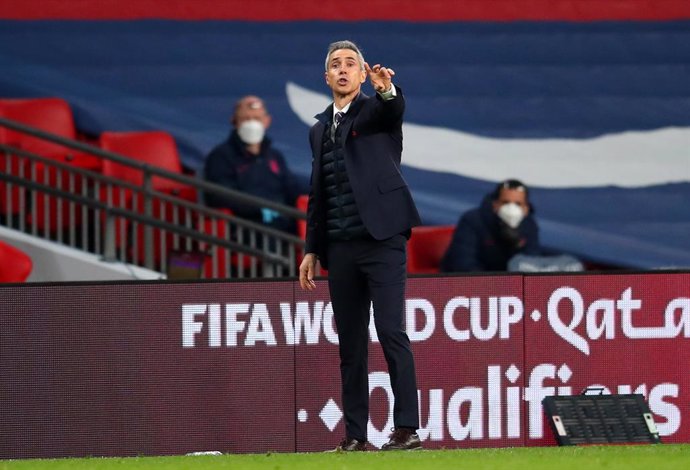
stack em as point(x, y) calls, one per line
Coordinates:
point(487, 237)
point(247, 162)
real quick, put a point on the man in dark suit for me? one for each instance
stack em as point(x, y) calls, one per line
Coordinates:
point(358, 220)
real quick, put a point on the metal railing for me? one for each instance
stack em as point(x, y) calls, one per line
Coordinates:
point(53, 199)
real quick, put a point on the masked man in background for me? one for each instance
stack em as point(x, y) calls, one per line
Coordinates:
point(487, 237)
point(247, 162)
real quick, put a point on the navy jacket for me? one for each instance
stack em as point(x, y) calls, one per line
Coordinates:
point(372, 133)
point(477, 244)
point(265, 175)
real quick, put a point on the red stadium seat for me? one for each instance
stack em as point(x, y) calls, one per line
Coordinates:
point(15, 265)
point(11, 165)
point(52, 115)
point(426, 248)
point(47, 114)
point(219, 257)
point(301, 204)
point(156, 148)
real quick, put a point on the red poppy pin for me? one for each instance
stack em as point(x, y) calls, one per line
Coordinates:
point(275, 168)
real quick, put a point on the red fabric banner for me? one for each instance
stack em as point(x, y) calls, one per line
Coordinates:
point(355, 10)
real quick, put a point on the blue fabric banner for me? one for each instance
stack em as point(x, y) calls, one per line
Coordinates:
point(595, 117)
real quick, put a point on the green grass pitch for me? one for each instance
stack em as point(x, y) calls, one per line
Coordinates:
point(647, 457)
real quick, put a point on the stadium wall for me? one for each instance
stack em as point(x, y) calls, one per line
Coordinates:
point(158, 368)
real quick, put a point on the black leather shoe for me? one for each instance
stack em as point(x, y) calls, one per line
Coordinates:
point(351, 445)
point(403, 439)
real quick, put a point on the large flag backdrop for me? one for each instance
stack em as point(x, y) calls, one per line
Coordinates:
point(589, 107)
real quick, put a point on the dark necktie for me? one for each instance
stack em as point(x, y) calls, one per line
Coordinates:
point(337, 119)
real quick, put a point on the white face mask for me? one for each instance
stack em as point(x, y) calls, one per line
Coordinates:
point(511, 213)
point(251, 131)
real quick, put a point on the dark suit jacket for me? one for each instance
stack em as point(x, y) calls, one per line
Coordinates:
point(372, 133)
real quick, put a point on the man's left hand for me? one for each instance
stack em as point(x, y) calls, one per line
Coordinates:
point(380, 77)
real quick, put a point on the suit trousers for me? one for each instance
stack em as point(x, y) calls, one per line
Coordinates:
point(360, 272)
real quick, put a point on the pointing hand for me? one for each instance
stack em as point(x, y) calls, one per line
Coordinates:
point(380, 77)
